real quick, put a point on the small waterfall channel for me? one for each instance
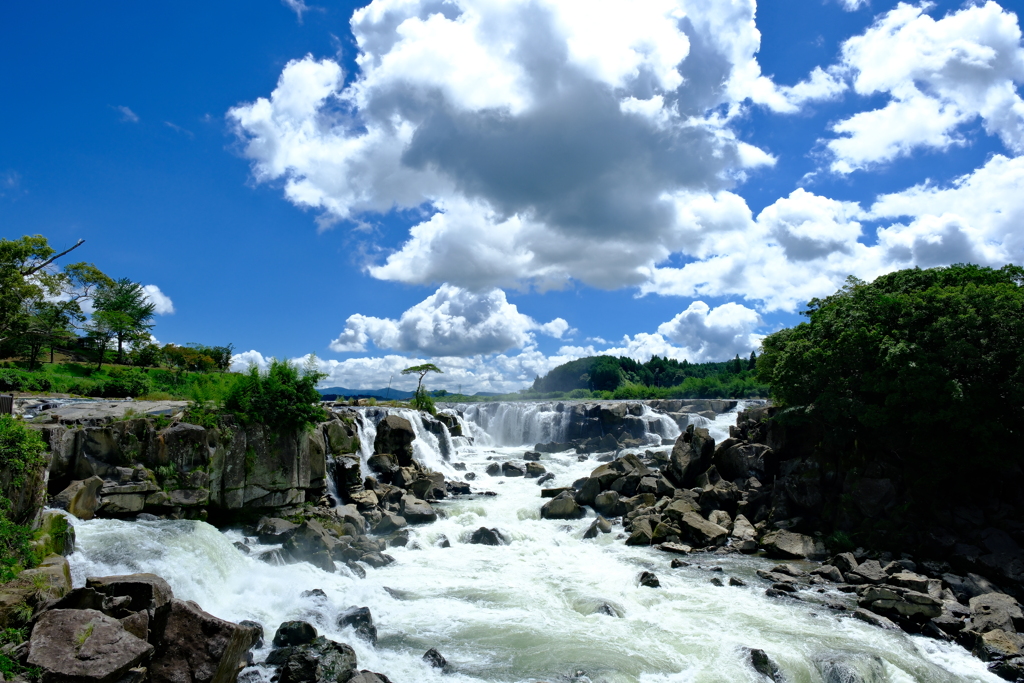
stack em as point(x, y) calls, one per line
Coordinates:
point(548, 605)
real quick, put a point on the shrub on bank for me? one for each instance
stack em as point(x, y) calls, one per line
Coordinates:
point(283, 398)
point(21, 451)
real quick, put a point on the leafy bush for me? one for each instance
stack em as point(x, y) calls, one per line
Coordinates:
point(422, 400)
point(123, 383)
point(283, 398)
point(21, 451)
point(921, 369)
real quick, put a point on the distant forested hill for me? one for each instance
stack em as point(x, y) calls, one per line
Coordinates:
point(657, 378)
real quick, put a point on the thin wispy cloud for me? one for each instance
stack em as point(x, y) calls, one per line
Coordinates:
point(127, 114)
point(178, 129)
point(300, 7)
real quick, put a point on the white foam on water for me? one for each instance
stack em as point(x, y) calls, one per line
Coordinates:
point(527, 610)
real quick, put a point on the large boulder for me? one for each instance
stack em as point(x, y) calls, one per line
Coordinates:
point(868, 571)
point(275, 529)
point(850, 668)
point(607, 503)
point(341, 436)
point(197, 647)
point(395, 435)
point(996, 611)
point(320, 661)
point(744, 460)
point(691, 456)
point(146, 592)
point(311, 543)
point(84, 646)
point(416, 511)
point(385, 465)
point(361, 621)
point(292, 633)
point(562, 506)
point(789, 545)
point(700, 531)
point(430, 485)
point(485, 536)
point(641, 533)
point(81, 498)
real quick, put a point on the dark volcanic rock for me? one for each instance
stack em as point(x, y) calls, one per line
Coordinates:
point(562, 506)
point(395, 436)
point(199, 647)
point(434, 658)
point(320, 661)
point(764, 665)
point(649, 579)
point(361, 620)
point(294, 633)
point(485, 536)
point(85, 646)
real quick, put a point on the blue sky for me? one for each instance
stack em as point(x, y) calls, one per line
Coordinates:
point(500, 187)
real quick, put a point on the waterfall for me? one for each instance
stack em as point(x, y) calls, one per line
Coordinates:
point(660, 424)
point(432, 446)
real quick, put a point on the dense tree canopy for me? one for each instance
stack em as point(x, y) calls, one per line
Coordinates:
point(922, 367)
point(608, 373)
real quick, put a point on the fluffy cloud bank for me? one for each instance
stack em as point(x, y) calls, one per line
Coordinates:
point(450, 322)
point(938, 75)
point(560, 140)
point(549, 138)
point(700, 333)
point(805, 245)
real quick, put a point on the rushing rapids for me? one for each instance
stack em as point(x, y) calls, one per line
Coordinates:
point(547, 605)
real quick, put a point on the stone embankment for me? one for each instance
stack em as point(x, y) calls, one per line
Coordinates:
point(765, 490)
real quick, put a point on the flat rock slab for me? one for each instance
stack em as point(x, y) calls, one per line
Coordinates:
point(84, 646)
point(677, 548)
point(101, 412)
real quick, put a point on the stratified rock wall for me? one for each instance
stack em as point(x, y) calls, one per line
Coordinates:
point(188, 470)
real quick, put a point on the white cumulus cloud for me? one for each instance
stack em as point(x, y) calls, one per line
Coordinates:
point(161, 302)
point(938, 75)
point(450, 322)
point(698, 334)
point(547, 138)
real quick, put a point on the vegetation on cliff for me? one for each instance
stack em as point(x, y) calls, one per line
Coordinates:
point(21, 451)
point(922, 369)
point(284, 398)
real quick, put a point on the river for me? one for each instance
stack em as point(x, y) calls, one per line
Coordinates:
point(534, 608)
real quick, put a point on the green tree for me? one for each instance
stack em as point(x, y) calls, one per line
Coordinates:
point(921, 369)
point(27, 276)
point(420, 399)
point(52, 320)
point(605, 374)
point(127, 312)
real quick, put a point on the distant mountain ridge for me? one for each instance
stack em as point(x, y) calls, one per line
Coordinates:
point(384, 393)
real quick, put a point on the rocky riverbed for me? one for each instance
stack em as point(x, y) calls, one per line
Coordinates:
point(426, 556)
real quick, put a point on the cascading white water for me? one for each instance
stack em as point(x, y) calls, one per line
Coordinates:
point(659, 424)
point(516, 424)
point(429, 448)
point(529, 610)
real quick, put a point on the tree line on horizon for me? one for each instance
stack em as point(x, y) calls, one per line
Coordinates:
point(618, 377)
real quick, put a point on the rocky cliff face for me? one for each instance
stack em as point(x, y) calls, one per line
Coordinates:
point(107, 467)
